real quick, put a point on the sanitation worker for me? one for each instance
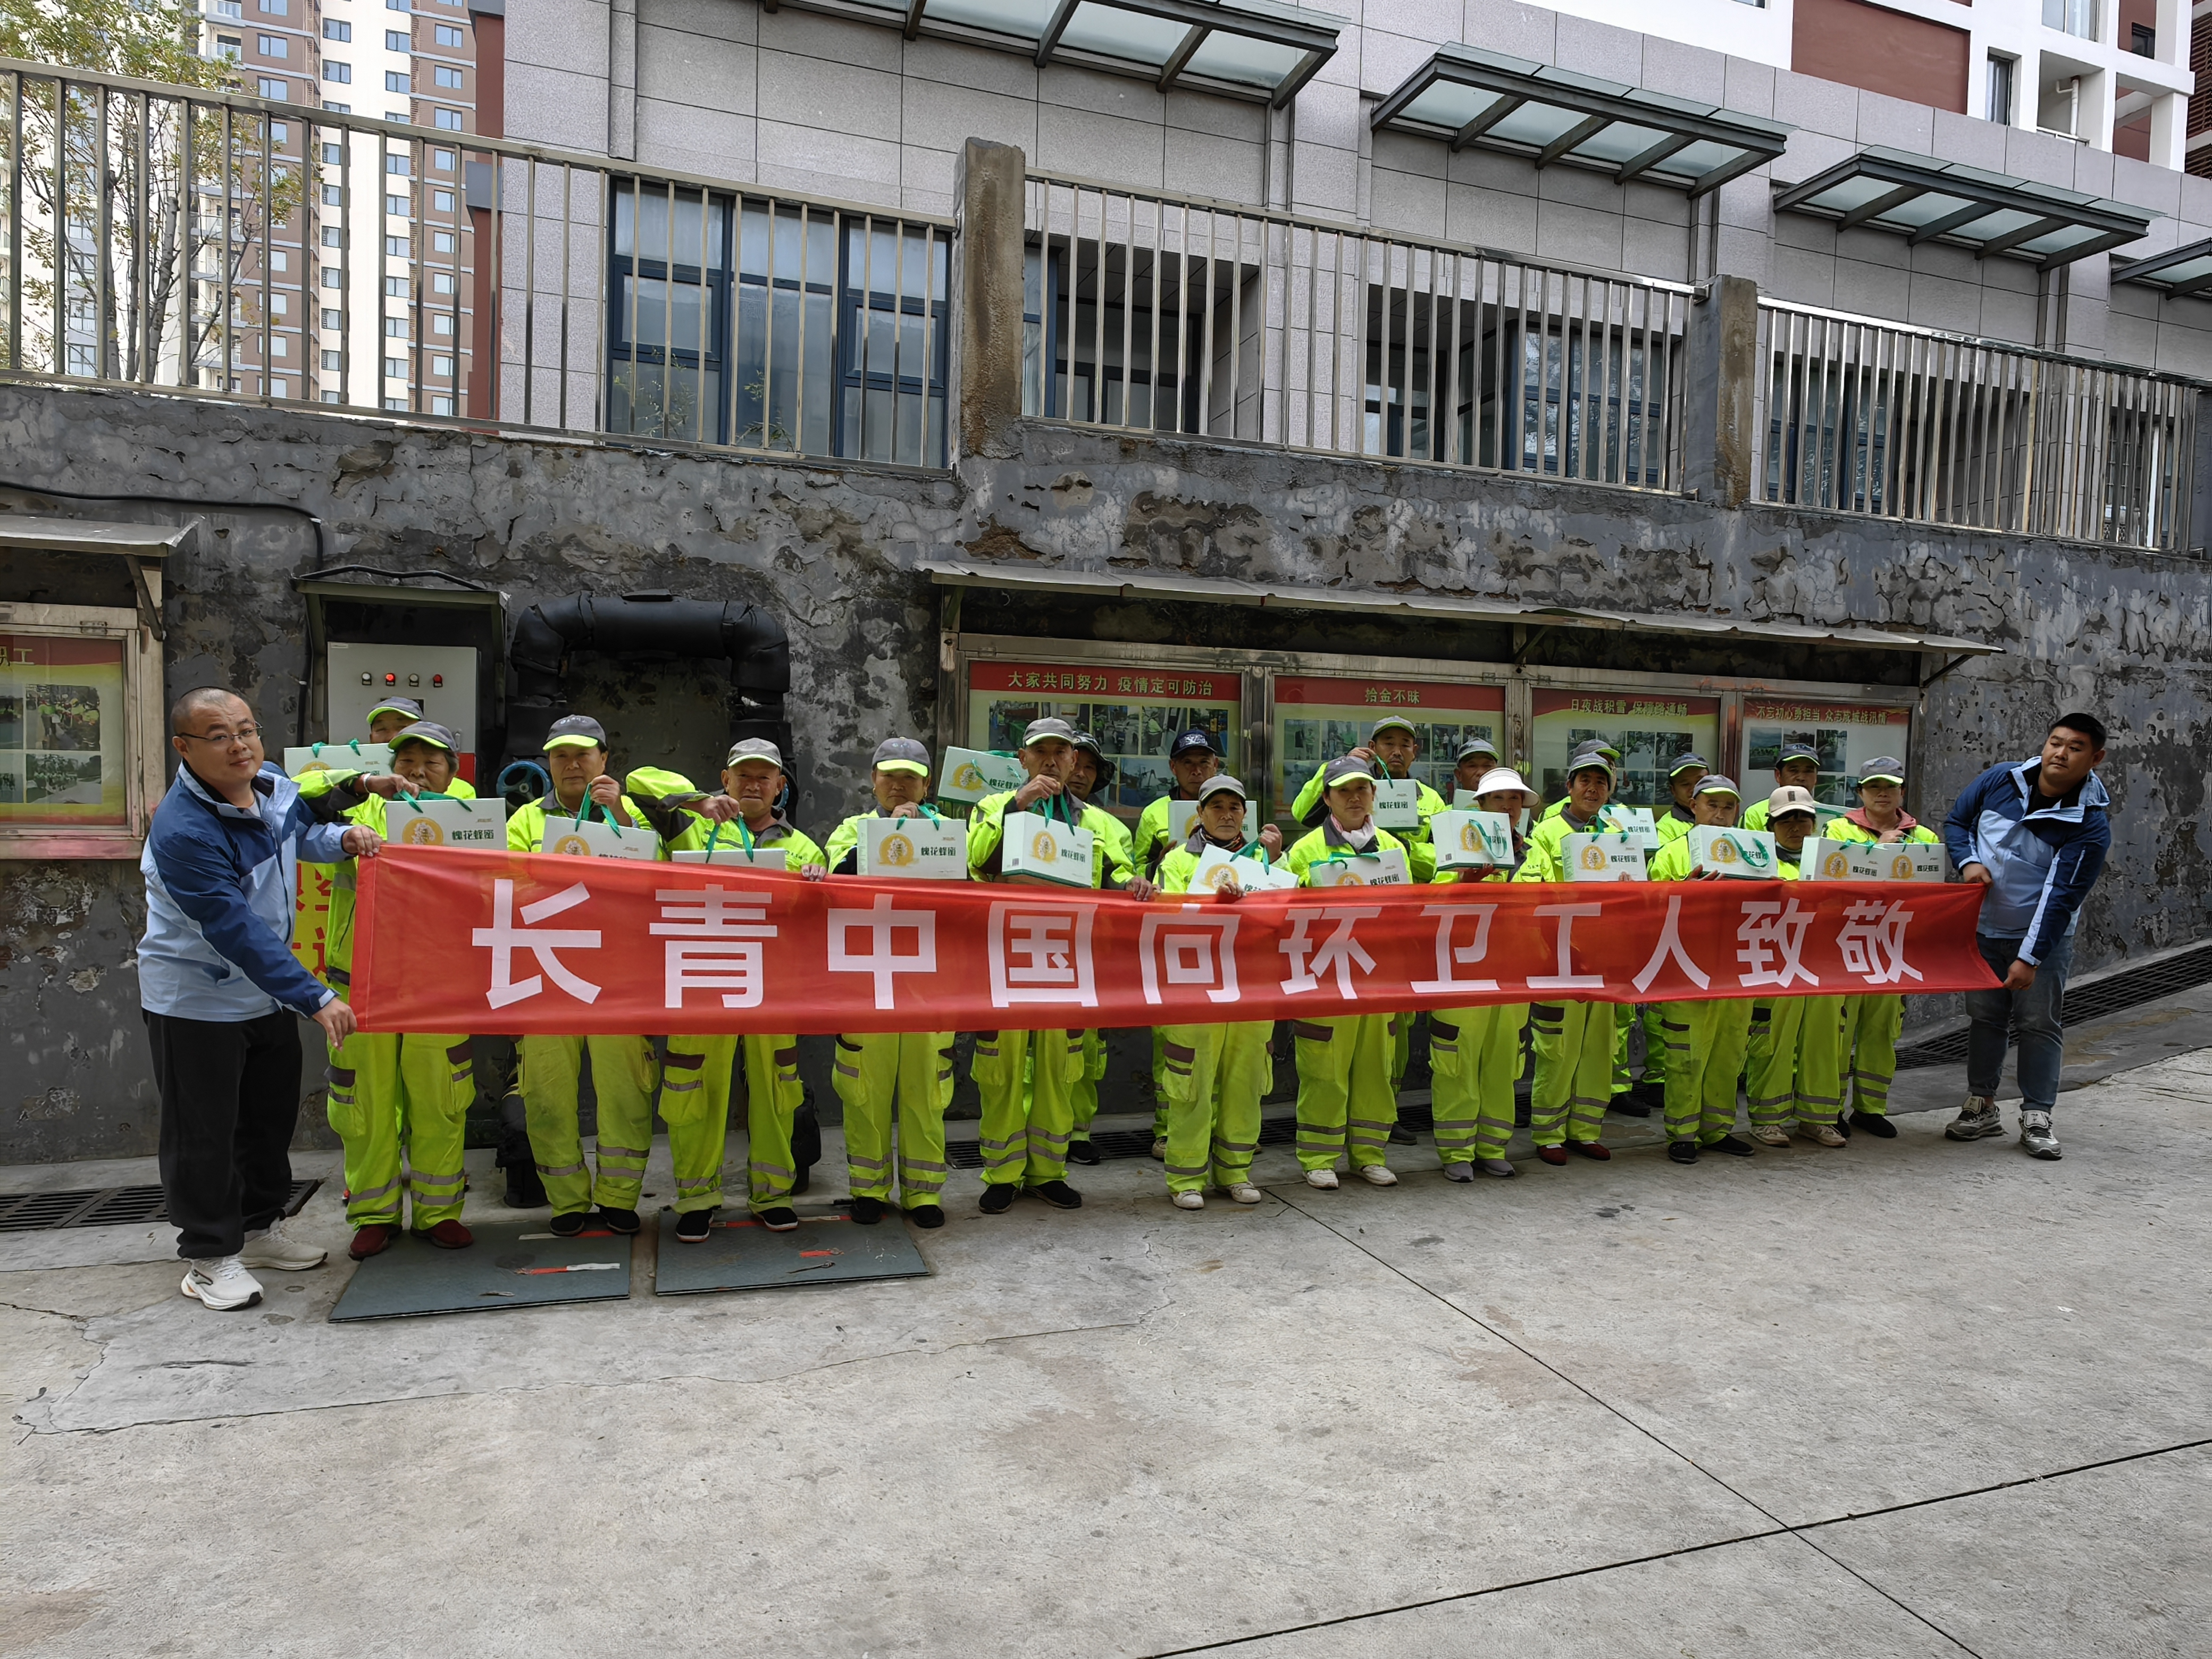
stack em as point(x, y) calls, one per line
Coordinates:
point(1392, 747)
point(1796, 766)
point(882, 1074)
point(1093, 771)
point(1871, 1022)
point(622, 1069)
point(1476, 760)
point(1345, 1098)
point(695, 1092)
point(1684, 772)
point(1216, 1074)
point(1671, 824)
point(1794, 1053)
point(1023, 1135)
point(1474, 1054)
point(1192, 760)
point(1704, 1040)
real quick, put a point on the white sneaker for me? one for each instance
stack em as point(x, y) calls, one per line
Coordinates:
point(223, 1283)
point(1978, 1119)
point(1769, 1134)
point(1243, 1192)
point(1375, 1176)
point(1324, 1179)
point(1190, 1201)
point(272, 1248)
point(2036, 1139)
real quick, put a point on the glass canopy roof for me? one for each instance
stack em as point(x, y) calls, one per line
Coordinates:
point(1469, 96)
point(1242, 48)
point(1923, 199)
point(2182, 271)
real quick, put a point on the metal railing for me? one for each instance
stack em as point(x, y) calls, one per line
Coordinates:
point(1178, 315)
point(210, 242)
point(1857, 415)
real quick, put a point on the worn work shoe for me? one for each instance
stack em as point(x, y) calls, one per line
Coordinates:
point(525, 1191)
point(1629, 1103)
point(1188, 1200)
point(1459, 1172)
point(1553, 1154)
point(1588, 1149)
point(271, 1247)
point(1402, 1136)
point(1732, 1146)
point(867, 1212)
point(1769, 1134)
point(1242, 1192)
point(1826, 1134)
point(782, 1219)
point(1682, 1152)
point(1321, 1179)
point(624, 1222)
point(568, 1225)
point(222, 1283)
point(927, 1215)
point(1080, 1151)
point(1375, 1176)
point(1059, 1194)
point(693, 1226)
point(1875, 1124)
point(1159, 1149)
point(998, 1198)
point(375, 1239)
point(2035, 1136)
point(448, 1235)
point(1978, 1119)
point(1499, 1167)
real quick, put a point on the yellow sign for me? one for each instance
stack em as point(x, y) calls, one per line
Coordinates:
point(896, 852)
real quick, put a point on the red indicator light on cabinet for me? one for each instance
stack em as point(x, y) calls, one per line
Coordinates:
point(391, 679)
point(437, 680)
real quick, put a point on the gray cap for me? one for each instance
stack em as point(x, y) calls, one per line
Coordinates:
point(1477, 746)
point(1716, 783)
point(1050, 727)
point(902, 755)
point(1684, 762)
point(1792, 751)
point(406, 706)
point(1388, 722)
point(429, 732)
point(753, 749)
point(1596, 746)
point(1344, 770)
point(1883, 769)
point(1592, 760)
point(575, 731)
point(1219, 783)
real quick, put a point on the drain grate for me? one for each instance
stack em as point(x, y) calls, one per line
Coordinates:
point(2108, 994)
point(105, 1206)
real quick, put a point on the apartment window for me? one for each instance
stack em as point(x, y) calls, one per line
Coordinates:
point(442, 159)
point(273, 7)
point(395, 288)
point(395, 247)
point(269, 46)
point(336, 108)
point(2074, 17)
point(447, 34)
point(1999, 108)
point(2142, 40)
point(442, 200)
point(279, 305)
point(230, 47)
point(447, 75)
point(398, 404)
point(333, 361)
point(333, 196)
point(336, 71)
point(396, 205)
point(279, 261)
point(223, 9)
point(394, 81)
point(277, 348)
point(442, 366)
point(280, 134)
point(334, 30)
point(442, 281)
point(441, 406)
point(441, 322)
point(398, 115)
point(395, 368)
point(272, 89)
point(280, 388)
point(398, 40)
point(441, 241)
point(333, 318)
point(331, 238)
point(450, 119)
point(396, 165)
point(332, 397)
point(333, 154)
point(331, 276)
point(395, 328)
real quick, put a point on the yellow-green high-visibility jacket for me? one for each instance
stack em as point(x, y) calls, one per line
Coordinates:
point(1326, 842)
point(841, 851)
point(1420, 851)
point(1109, 843)
point(525, 825)
point(1843, 829)
point(1543, 861)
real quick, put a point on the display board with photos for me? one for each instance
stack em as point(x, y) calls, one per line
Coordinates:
point(1135, 710)
point(1846, 735)
point(1650, 729)
point(63, 730)
point(1317, 719)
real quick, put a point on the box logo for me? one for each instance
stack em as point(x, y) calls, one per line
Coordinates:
point(896, 852)
point(422, 832)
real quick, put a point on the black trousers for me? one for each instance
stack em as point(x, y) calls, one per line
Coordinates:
point(230, 1099)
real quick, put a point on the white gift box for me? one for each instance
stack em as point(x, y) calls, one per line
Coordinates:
point(337, 757)
point(1866, 860)
point(421, 821)
point(1602, 858)
point(1746, 854)
point(1397, 804)
point(970, 774)
point(589, 838)
point(1384, 869)
point(1472, 841)
point(1214, 865)
point(914, 849)
point(1035, 848)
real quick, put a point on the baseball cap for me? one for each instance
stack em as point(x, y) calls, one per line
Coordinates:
point(429, 732)
point(1218, 783)
point(1389, 722)
point(1499, 778)
point(754, 748)
point(1477, 746)
point(902, 755)
point(1597, 746)
point(1192, 743)
point(1791, 799)
point(575, 731)
point(1344, 770)
point(1684, 762)
point(406, 706)
point(1590, 760)
point(1050, 727)
point(1792, 751)
point(1713, 783)
point(1883, 769)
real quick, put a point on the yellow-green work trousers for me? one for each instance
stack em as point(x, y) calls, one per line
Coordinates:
point(1474, 1054)
point(623, 1078)
point(1346, 1102)
point(1869, 1050)
point(1024, 1131)
point(700, 1069)
point(389, 1091)
point(1794, 1069)
point(1216, 1078)
point(1575, 1043)
point(902, 1074)
point(1704, 1045)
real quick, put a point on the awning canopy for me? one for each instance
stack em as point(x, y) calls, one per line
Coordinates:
point(1241, 48)
point(2182, 271)
point(1469, 96)
point(29, 532)
point(1926, 200)
point(1424, 607)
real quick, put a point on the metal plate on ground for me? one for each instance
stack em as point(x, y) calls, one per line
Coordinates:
point(513, 1264)
point(826, 1247)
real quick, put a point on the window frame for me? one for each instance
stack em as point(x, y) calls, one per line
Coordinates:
point(145, 739)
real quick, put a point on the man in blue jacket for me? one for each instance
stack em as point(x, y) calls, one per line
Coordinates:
point(222, 992)
point(2037, 835)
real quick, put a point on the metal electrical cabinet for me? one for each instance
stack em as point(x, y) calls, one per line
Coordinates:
point(444, 646)
point(443, 678)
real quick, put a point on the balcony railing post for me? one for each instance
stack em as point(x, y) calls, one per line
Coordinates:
point(987, 372)
point(1719, 446)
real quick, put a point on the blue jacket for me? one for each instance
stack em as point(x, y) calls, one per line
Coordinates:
point(220, 884)
point(2041, 864)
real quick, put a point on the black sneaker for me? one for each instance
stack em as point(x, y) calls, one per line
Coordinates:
point(1629, 1102)
point(927, 1215)
point(525, 1191)
point(1843, 1126)
point(568, 1225)
point(867, 1212)
point(1874, 1123)
point(781, 1219)
point(1401, 1136)
point(693, 1225)
point(1059, 1194)
point(998, 1198)
point(619, 1221)
point(1682, 1152)
point(1733, 1146)
point(1082, 1151)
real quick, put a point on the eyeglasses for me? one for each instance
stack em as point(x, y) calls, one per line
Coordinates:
point(240, 738)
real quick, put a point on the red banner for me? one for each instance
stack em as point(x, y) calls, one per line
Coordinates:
point(488, 941)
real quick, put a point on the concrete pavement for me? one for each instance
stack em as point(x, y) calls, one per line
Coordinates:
point(1906, 1397)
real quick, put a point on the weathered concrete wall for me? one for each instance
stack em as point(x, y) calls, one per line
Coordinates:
point(832, 551)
